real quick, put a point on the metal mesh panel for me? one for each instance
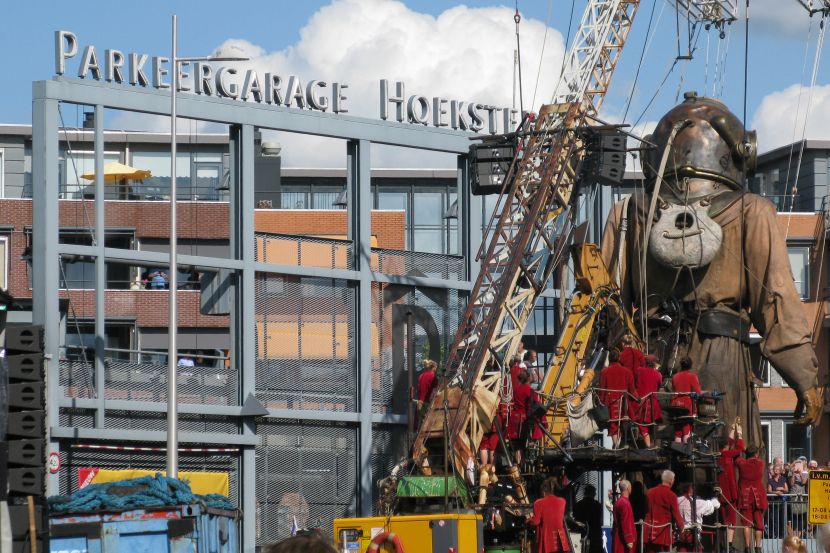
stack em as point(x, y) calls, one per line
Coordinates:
point(148, 382)
point(75, 458)
point(305, 251)
point(388, 447)
point(434, 309)
point(304, 471)
point(76, 418)
point(129, 420)
point(306, 343)
point(400, 262)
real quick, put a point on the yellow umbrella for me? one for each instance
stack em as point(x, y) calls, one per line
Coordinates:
point(114, 172)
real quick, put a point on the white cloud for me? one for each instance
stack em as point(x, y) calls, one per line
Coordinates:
point(463, 53)
point(780, 117)
point(778, 17)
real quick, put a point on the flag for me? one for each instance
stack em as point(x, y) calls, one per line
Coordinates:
point(294, 526)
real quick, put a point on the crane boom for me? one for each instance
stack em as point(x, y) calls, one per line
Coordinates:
point(525, 248)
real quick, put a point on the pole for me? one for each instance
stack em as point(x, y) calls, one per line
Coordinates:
point(172, 316)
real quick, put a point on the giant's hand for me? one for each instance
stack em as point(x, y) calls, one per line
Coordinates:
point(810, 403)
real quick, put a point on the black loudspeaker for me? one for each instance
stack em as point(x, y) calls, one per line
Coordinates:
point(29, 453)
point(26, 424)
point(26, 481)
point(4, 469)
point(25, 366)
point(605, 158)
point(26, 396)
point(24, 338)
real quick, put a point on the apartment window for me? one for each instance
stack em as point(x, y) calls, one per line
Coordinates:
point(797, 441)
point(4, 262)
point(800, 265)
point(199, 175)
point(765, 433)
point(80, 340)
point(77, 163)
point(2, 175)
point(310, 197)
point(77, 274)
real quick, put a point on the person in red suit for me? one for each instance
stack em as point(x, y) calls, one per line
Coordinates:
point(726, 481)
point(752, 494)
point(428, 381)
point(523, 400)
point(516, 366)
point(684, 383)
point(623, 529)
point(616, 383)
point(662, 511)
point(630, 357)
point(647, 380)
point(549, 519)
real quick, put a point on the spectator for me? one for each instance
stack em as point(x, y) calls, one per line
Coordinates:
point(778, 487)
point(521, 352)
point(589, 512)
point(616, 389)
point(158, 280)
point(793, 544)
point(684, 383)
point(624, 530)
point(533, 369)
point(823, 537)
point(812, 465)
point(300, 544)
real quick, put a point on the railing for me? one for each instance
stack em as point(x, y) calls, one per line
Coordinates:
point(403, 262)
point(141, 191)
point(787, 514)
point(304, 251)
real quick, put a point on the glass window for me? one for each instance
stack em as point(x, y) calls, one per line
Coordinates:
point(293, 199)
point(324, 200)
point(80, 340)
point(428, 208)
point(428, 240)
point(77, 274)
point(207, 180)
point(73, 165)
point(800, 265)
point(392, 200)
point(157, 185)
point(765, 439)
point(796, 441)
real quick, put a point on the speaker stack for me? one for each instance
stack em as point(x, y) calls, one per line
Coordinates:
point(25, 445)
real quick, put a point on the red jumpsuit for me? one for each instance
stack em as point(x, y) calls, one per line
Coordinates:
point(615, 380)
point(427, 383)
point(648, 381)
point(624, 529)
point(727, 483)
point(684, 382)
point(631, 359)
point(549, 520)
point(662, 510)
point(752, 498)
point(523, 398)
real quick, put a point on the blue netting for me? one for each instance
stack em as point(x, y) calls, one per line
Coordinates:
point(138, 493)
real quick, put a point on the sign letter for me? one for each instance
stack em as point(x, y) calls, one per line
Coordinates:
point(294, 92)
point(320, 102)
point(272, 89)
point(137, 74)
point(159, 72)
point(338, 97)
point(90, 63)
point(203, 79)
point(385, 100)
point(66, 46)
point(251, 86)
point(226, 89)
point(115, 61)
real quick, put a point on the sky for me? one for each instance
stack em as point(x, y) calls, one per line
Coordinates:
point(444, 48)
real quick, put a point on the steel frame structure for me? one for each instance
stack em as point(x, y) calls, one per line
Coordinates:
point(243, 118)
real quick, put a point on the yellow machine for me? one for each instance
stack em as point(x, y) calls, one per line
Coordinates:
point(459, 533)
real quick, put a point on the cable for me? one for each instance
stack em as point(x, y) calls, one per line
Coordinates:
point(646, 44)
point(544, 43)
point(518, 18)
point(746, 61)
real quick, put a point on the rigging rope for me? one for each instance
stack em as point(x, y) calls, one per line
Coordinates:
point(518, 18)
point(544, 43)
point(646, 44)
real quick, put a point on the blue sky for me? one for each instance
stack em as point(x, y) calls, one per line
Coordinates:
point(778, 33)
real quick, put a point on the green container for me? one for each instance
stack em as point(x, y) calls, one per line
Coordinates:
point(503, 549)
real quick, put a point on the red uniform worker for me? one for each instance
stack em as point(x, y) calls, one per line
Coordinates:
point(632, 359)
point(684, 382)
point(549, 520)
point(648, 380)
point(727, 483)
point(427, 382)
point(662, 510)
point(523, 399)
point(624, 530)
point(615, 382)
point(752, 496)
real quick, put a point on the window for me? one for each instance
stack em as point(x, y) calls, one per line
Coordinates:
point(2, 173)
point(800, 265)
point(310, 197)
point(80, 340)
point(74, 164)
point(77, 274)
point(198, 175)
point(4, 262)
point(765, 437)
point(797, 441)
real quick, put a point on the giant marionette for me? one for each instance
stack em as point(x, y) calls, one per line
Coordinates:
point(699, 261)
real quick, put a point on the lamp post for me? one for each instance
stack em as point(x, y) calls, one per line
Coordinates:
point(172, 313)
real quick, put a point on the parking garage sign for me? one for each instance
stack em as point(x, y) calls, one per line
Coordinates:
point(818, 498)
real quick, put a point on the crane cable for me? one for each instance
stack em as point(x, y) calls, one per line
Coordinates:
point(518, 18)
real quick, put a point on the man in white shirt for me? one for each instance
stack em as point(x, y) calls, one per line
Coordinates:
point(702, 508)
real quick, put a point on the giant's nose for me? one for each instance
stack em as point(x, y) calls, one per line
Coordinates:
point(684, 221)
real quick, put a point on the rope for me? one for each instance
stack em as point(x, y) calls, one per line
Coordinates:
point(544, 43)
point(137, 493)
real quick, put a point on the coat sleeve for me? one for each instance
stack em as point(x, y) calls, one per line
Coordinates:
point(675, 512)
point(776, 309)
point(629, 530)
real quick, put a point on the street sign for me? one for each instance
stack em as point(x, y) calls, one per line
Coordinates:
point(818, 496)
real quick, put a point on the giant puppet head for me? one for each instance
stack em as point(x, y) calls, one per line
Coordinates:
point(707, 154)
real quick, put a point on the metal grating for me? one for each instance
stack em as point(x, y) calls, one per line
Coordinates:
point(148, 382)
point(304, 251)
point(388, 448)
point(76, 418)
point(75, 458)
point(130, 420)
point(306, 343)
point(400, 262)
point(304, 471)
point(390, 303)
